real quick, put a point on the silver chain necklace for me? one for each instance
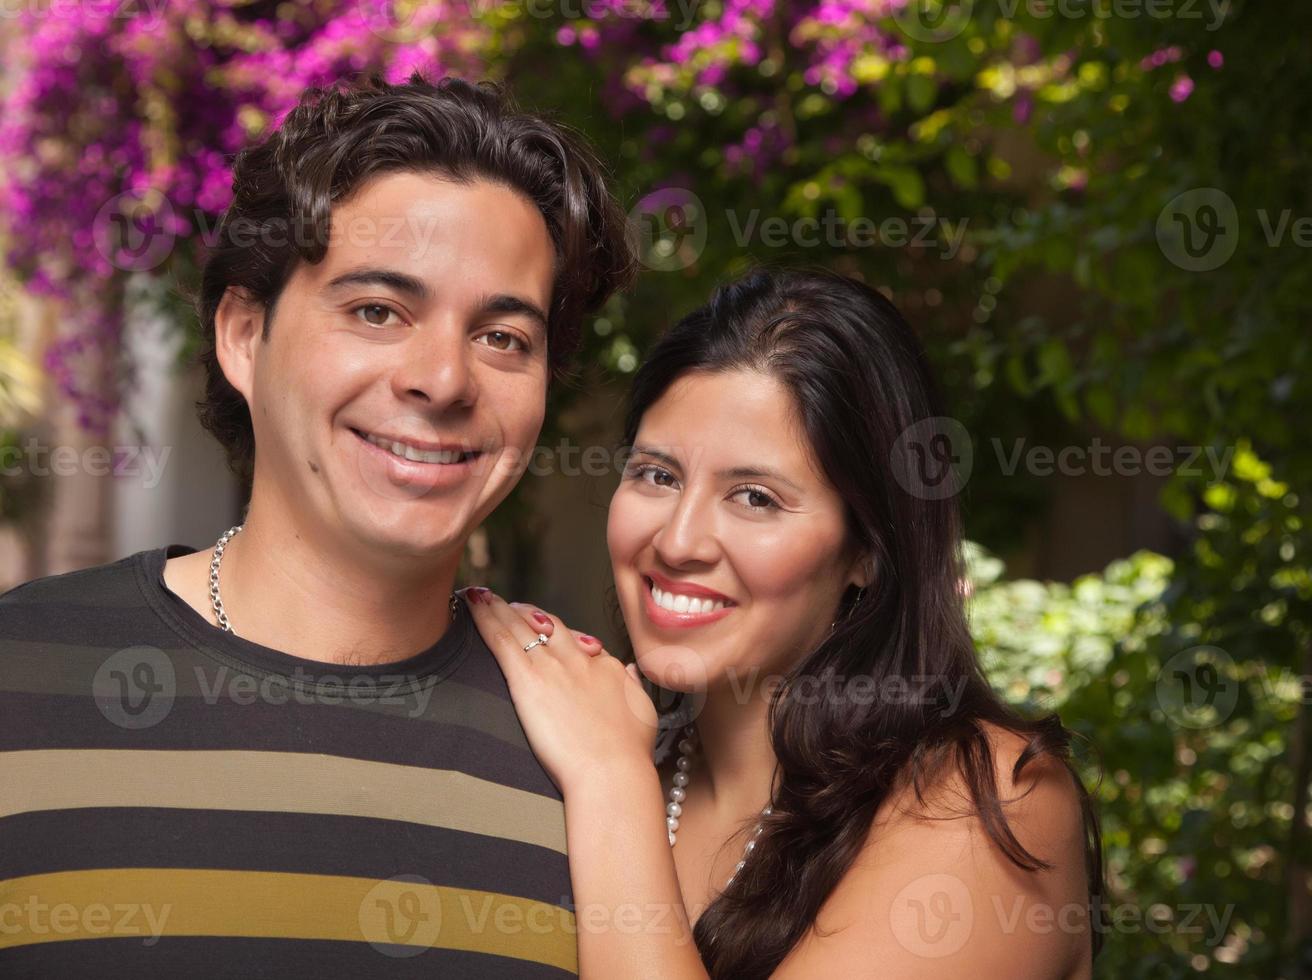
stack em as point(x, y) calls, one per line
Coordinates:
point(220, 616)
point(678, 793)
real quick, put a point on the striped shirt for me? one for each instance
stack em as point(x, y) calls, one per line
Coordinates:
point(177, 801)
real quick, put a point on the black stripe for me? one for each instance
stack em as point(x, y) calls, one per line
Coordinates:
point(62, 627)
point(175, 957)
point(299, 843)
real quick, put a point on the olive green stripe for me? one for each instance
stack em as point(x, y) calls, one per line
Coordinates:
point(289, 782)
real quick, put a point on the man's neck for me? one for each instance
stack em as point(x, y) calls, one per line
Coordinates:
point(312, 599)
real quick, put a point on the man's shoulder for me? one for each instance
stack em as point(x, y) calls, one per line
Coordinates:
point(70, 583)
point(54, 596)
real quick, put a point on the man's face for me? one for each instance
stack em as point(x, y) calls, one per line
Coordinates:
point(424, 325)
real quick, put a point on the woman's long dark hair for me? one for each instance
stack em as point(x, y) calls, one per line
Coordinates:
point(863, 390)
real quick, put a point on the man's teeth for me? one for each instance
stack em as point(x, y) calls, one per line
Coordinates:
point(416, 455)
point(683, 603)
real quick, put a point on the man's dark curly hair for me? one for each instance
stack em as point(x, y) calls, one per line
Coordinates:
point(342, 135)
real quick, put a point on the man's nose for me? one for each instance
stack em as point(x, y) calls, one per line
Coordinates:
point(436, 366)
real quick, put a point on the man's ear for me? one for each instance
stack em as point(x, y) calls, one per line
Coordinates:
point(238, 330)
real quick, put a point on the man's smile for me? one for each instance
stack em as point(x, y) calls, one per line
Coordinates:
point(417, 450)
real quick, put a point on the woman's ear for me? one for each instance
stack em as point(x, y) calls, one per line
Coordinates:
point(862, 573)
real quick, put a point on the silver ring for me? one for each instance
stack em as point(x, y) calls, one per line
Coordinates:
point(542, 638)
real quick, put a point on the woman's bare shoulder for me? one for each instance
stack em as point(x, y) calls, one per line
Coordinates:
point(933, 894)
point(1043, 796)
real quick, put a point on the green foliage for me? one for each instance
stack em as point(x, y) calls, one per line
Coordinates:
point(1186, 679)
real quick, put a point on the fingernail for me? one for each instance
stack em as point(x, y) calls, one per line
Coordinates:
point(585, 638)
point(541, 620)
point(478, 594)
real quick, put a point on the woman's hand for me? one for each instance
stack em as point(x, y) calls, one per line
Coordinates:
point(586, 716)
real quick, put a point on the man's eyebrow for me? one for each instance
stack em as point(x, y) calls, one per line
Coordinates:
point(736, 473)
point(400, 282)
point(506, 303)
point(415, 287)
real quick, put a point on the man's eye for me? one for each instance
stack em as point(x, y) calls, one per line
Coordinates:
point(374, 314)
point(502, 340)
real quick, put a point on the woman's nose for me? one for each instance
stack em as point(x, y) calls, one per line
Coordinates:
point(689, 536)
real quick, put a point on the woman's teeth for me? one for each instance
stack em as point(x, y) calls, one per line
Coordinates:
point(416, 455)
point(683, 603)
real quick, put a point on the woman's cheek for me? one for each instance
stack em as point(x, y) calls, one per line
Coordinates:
point(624, 541)
point(789, 578)
point(777, 565)
point(619, 531)
point(634, 520)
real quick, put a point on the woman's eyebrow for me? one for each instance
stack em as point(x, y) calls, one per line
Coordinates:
point(756, 473)
point(664, 457)
point(735, 473)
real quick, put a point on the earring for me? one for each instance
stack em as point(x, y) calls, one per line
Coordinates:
point(860, 592)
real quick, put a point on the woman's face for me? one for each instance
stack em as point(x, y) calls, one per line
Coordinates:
point(728, 545)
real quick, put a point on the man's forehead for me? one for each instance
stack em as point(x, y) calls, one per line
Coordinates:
point(422, 237)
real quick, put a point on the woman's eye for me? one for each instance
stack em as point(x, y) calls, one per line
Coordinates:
point(502, 340)
point(654, 475)
point(756, 498)
point(374, 314)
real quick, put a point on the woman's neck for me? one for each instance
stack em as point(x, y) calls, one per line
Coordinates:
point(738, 759)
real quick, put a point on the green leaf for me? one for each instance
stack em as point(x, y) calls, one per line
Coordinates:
point(907, 185)
point(890, 95)
point(1017, 376)
point(1101, 403)
point(921, 90)
point(1068, 403)
point(1054, 362)
point(962, 167)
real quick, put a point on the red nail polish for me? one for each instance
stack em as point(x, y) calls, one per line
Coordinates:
point(541, 620)
point(585, 638)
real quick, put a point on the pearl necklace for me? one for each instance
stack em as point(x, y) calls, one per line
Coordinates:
point(678, 793)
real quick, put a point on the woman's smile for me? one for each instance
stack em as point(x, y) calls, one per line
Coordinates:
point(674, 605)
